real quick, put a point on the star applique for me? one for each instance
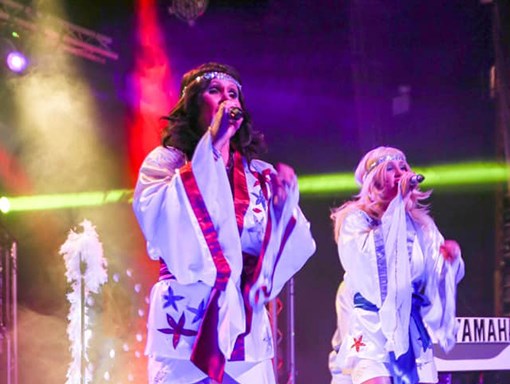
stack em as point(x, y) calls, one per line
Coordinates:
point(177, 329)
point(266, 174)
point(260, 198)
point(358, 343)
point(198, 312)
point(171, 299)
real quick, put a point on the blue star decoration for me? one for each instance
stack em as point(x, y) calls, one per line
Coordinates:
point(260, 198)
point(198, 312)
point(171, 299)
point(177, 329)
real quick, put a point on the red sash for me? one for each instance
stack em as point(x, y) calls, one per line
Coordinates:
point(206, 353)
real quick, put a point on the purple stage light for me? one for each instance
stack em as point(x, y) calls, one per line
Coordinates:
point(16, 61)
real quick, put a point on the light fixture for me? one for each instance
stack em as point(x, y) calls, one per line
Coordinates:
point(188, 10)
point(12, 57)
point(16, 61)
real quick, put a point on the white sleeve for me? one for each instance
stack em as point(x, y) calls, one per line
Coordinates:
point(357, 252)
point(287, 246)
point(168, 220)
point(376, 262)
point(441, 289)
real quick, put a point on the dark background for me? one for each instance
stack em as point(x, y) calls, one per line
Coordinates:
point(320, 79)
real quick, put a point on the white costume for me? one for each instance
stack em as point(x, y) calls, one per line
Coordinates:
point(201, 225)
point(343, 307)
point(395, 281)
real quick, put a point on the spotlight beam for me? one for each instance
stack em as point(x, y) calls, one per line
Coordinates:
point(61, 201)
point(448, 175)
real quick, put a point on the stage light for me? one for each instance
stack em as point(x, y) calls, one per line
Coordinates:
point(12, 55)
point(16, 61)
point(188, 10)
point(5, 205)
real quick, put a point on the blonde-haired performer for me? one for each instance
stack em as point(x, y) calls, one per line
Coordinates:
point(399, 288)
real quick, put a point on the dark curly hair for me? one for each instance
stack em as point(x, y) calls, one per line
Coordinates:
point(183, 131)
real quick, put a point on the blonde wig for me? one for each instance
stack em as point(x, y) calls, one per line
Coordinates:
point(371, 175)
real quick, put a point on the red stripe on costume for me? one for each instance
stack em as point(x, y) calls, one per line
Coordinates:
point(263, 249)
point(241, 195)
point(241, 204)
point(206, 353)
point(164, 273)
point(247, 280)
point(262, 179)
point(286, 234)
point(206, 225)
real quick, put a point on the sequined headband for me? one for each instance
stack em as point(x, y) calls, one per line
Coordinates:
point(213, 75)
point(382, 159)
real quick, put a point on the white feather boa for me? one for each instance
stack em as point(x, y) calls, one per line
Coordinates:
point(82, 251)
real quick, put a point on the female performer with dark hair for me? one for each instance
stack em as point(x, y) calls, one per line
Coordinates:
point(399, 288)
point(228, 233)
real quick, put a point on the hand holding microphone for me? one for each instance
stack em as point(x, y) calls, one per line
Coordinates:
point(236, 113)
point(410, 181)
point(225, 124)
point(283, 182)
point(416, 179)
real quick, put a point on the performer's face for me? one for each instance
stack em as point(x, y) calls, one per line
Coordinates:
point(394, 171)
point(217, 92)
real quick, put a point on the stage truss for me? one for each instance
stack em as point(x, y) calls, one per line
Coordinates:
point(71, 38)
point(8, 310)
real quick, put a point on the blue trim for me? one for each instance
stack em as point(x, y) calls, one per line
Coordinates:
point(382, 269)
point(411, 234)
point(403, 370)
point(361, 302)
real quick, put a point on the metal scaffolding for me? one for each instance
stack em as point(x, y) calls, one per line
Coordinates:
point(71, 38)
point(501, 37)
point(8, 310)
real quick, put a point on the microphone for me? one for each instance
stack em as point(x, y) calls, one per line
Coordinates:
point(235, 113)
point(416, 179)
